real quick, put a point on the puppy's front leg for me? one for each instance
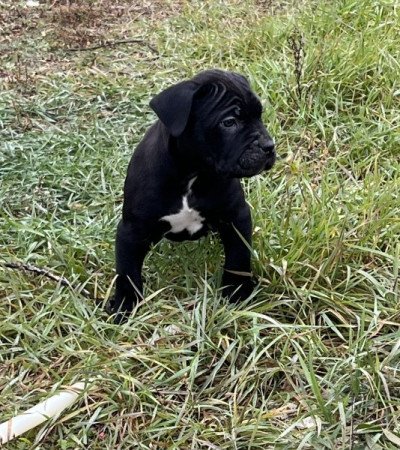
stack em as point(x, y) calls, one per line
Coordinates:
point(131, 248)
point(237, 279)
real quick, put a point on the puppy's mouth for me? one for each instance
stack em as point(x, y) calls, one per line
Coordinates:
point(255, 160)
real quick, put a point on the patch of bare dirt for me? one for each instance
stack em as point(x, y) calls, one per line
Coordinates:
point(79, 22)
point(31, 36)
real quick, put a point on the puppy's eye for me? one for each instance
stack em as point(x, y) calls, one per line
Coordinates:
point(229, 122)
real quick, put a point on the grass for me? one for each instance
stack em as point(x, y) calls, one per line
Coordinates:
point(311, 361)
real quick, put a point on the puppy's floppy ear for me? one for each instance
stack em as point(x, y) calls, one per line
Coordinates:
point(173, 106)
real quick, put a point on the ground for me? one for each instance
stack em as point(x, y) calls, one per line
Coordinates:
point(312, 359)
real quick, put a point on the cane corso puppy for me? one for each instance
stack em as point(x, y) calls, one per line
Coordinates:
point(184, 179)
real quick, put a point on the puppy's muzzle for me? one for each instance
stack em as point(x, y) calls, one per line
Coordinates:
point(259, 156)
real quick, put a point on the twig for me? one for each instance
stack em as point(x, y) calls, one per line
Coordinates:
point(112, 44)
point(46, 273)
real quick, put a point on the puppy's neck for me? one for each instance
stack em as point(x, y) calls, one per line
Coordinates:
point(186, 162)
point(185, 158)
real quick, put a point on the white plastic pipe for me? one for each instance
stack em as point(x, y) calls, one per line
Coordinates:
point(39, 413)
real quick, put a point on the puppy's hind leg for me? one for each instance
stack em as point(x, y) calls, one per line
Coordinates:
point(131, 248)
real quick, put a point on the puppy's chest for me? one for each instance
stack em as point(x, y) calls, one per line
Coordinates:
point(188, 218)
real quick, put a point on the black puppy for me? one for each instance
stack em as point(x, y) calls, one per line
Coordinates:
point(183, 179)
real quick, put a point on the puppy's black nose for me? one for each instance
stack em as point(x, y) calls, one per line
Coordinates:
point(267, 145)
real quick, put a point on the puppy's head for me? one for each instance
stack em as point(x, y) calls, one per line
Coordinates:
point(216, 116)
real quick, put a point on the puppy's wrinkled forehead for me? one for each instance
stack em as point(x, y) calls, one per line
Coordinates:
point(226, 91)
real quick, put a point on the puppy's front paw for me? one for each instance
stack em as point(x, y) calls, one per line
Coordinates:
point(237, 287)
point(118, 309)
point(122, 303)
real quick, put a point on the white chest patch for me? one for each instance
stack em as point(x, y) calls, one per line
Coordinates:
point(187, 218)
